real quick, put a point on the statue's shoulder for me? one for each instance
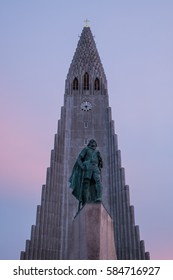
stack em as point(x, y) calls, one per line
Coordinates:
point(84, 151)
point(98, 153)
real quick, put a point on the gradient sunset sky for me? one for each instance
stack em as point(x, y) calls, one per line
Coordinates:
point(135, 41)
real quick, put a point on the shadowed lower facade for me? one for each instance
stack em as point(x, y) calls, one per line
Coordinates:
point(85, 115)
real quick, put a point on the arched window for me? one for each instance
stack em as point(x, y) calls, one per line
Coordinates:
point(97, 84)
point(86, 81)
point(75, 84)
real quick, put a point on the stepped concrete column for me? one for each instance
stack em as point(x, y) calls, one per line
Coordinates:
point(92, 236)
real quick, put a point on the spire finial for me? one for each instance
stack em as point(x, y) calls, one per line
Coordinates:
point(86, 23)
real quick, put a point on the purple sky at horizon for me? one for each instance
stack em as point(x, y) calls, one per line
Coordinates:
point(135, 43)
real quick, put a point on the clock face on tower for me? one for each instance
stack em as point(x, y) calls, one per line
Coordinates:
point(86, 106)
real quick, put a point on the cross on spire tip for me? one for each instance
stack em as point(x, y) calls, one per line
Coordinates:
point(86, 23)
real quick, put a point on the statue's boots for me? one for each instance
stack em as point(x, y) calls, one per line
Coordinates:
point(99, 193)
point(86, 194)
point(98, 187)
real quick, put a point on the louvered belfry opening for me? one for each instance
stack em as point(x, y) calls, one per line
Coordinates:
point(86, 81)
point(75, 84)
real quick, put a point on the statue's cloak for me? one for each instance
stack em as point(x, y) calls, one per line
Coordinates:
point(76, 181)
point(80, 177)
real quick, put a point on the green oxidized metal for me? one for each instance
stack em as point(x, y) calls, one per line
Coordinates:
point(85, 180)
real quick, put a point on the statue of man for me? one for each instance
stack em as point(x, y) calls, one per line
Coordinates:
point(85, 180)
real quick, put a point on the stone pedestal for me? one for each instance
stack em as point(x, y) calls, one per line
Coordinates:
point(92, 235)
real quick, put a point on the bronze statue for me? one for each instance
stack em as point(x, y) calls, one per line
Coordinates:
point(85, 180)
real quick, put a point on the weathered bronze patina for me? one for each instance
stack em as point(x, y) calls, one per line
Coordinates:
point(85, 180)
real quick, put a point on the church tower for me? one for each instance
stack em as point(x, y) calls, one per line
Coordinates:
point(85, 115)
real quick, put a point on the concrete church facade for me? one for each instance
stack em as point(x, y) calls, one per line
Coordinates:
point(85, 115)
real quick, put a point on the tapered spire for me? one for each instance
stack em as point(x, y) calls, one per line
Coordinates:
point(86, 59)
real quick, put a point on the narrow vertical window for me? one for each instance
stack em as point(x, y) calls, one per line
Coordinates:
point(97, 84)
point(85, 124)
point(75, 84)
point(86, 82)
